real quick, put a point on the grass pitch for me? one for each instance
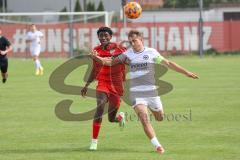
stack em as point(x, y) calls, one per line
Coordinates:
point(202, 116)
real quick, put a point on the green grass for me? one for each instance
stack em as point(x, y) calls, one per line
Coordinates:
point(29, 128)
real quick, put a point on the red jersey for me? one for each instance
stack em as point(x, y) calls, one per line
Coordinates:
point(114, 73)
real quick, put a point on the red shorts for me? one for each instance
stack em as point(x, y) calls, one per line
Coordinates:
point(113, 90)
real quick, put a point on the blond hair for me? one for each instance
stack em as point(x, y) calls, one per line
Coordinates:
point(134, 32)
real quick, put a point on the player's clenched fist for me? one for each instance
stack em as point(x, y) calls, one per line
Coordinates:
point(3, 52)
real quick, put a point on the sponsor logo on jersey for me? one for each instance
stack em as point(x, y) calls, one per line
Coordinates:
point(139, 66)
point(145, 57)
point(112, 51)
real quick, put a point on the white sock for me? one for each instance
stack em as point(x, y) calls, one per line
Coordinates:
point(38, 64)
point(94, 140)
point(155, 142)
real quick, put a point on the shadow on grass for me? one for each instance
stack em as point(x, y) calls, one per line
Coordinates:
point(50, 150)
point(69, 150)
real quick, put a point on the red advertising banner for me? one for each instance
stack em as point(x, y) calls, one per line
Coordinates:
point(171, 37)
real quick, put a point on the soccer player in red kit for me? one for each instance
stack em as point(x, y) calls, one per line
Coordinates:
point(110, 83)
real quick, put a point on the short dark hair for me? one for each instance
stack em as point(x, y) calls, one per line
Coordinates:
point(105, 29)
point(134, 32)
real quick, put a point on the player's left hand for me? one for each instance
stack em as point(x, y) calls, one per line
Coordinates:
point(94, 53)
point(192, 75)
point(84, 91)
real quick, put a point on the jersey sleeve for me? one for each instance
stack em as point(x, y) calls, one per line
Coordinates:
point(158, 58)
point(40, 34)
point(122, 58)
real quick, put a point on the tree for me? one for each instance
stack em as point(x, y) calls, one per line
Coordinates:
point(169, 4)
point(63, 17)
point(100, 6)
point(2, 2)
point(90, 6)
point(78, 8)
point(194, 3)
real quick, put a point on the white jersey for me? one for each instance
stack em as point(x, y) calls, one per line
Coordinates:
point(35, 37)
point(142, 68)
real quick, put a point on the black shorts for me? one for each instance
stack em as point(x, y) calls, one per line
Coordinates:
point(4, 65)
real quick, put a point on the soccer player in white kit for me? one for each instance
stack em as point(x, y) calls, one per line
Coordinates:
point(34, 40)
point(143, 91)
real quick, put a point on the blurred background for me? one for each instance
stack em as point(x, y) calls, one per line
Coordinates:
point(173, 27)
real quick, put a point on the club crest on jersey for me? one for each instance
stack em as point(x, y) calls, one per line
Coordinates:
point(145, 57)
point(112, 51)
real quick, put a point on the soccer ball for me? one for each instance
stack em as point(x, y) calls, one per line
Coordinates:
point(132, 10)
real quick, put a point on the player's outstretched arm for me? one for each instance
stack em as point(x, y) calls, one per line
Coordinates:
point(107, 61)
point(174, 66)
point(124, 44)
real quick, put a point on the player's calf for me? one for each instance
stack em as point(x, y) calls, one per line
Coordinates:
point(158, 115)
point(112, 113)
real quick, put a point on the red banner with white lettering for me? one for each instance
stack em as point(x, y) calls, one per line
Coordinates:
point(170, 37)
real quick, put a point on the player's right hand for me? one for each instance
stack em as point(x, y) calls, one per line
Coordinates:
point(192, 75)
point(84, 91)
point(3, 52)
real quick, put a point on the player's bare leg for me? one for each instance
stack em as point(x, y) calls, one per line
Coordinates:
point(114, 104)
point(141, 111)
point(101, 101)
point(158, 115)
point(112, 113)
point(37, 72)
point(39, 68)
